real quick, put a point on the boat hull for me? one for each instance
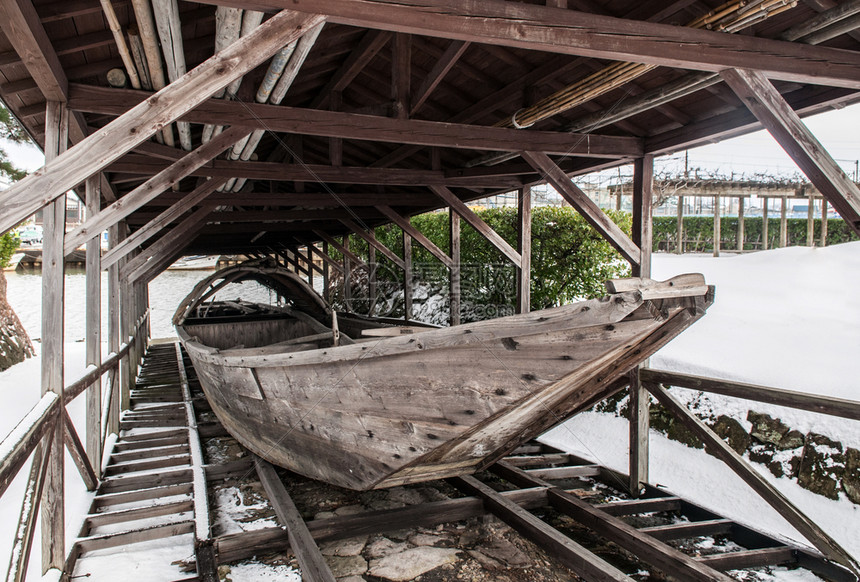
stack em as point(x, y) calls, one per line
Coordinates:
point(435, 404)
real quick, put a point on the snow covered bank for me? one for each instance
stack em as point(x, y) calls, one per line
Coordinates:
point(787, 318)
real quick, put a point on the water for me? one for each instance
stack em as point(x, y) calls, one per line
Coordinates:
point(165, 293)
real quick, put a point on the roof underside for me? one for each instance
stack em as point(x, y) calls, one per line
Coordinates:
point(310, 171)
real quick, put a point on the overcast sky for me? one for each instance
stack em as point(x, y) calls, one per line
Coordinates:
point(838, 130)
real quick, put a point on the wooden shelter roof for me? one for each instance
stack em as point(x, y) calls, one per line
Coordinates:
point(394, 98)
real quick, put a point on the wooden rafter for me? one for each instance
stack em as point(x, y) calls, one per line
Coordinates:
point(368, 127)
point(374, 242)
point(785, 126)
point(589, 210)
point(579, 33)
point(416, 234)
point(139, 123)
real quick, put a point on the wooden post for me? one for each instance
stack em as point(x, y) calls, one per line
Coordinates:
point(643, 174)
point(53, 270)
point(823, 222)
point(764, 225)
point(810, 222)
point(371, 277)
point(783, 223)
point(124, 330)
point(309, 260)
point(114, 334)
point(643, 177)
point(524, 247)
point(454, 293)
point(741, 223)
point(326, 275)
point(407, 276)
point(93, 319)
point(347, 276)
point(717, 226)
point(679, 230)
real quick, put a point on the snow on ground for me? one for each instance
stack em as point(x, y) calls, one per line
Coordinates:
point(786, 318)
point(19, 392)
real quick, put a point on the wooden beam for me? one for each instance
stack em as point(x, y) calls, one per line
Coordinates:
point(643, 183)
point(414, 233)
point(584, 563)
point(524, 247)
point(93, 326)
point(23, 541)
point(716, 446)
point(342, 249)
point(24, 438)
point(373, 241)
point(771, 109)
point(535, 27)
point(155, 225)
point(455, 277)
point(589, 210)
point(306, 172)
point(77, 452)
point(53, 271)
point(370, 44)
point(175, 239)
point(337, 124)
point(441, 68)
point(646, 548)
point(640, 425)
point(98, 150)
point(790, 399)
point(477, 223)
point(401, 74)
point(407, 276)
point(150, 189)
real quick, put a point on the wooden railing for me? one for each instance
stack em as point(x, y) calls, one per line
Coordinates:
point(655, 381)
point(34, 435)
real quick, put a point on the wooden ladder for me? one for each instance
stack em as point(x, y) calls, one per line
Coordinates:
point(147, 490)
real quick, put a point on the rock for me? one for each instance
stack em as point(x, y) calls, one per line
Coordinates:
point(346, 565)
point(325, 515)
point(506, 553)
point(486, 561)
point(224, 572)
point(793, 439)
point(468, 537)
point(411, 563)
point(351, 579)
point(732, 431)
point(766, 429)
point(760, 453)
point(348, 510)
point(851, 477)
point(347, 547)
point(421, 539)
point(821, 465)
point(405, 496)
point(383, 547)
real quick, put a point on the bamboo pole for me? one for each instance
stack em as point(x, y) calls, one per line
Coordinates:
point(228, 27)
point(147, 31)
point(170, 33)
point(121, 45)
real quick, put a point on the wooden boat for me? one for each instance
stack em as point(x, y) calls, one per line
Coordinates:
point(364, 403)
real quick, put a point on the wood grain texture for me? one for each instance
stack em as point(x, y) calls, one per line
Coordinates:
point(139, 123)
point(573, 32)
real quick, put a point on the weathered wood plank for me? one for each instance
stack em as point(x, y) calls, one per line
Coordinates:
point(444, 64)
point(799, 400)
point(53, 285)
point(524, 247)
point(777, 116)
point(98, 150)
point(589, 210)
point(78, 453)
point(93, 327)
point(455, 274)
point(751, 558)
point(580, 33)
point(311, 561)
point(338, 124)
point(803, 524)
point(686, 530)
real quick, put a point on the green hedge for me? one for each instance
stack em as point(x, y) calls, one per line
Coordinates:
point(570, 260)
point(699, 232)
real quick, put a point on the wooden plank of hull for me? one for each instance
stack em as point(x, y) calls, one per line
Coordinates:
point(351, 422)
